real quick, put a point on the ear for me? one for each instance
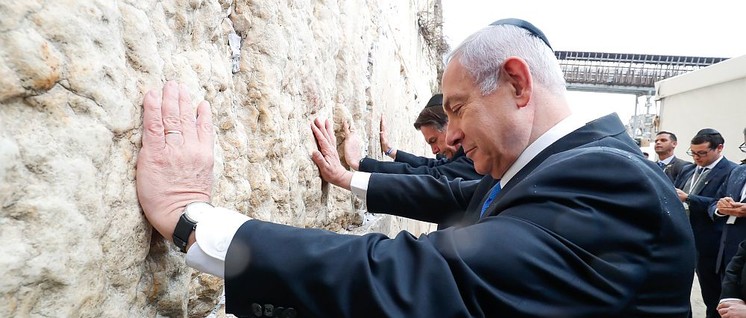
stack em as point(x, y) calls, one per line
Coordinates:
point(517, 74)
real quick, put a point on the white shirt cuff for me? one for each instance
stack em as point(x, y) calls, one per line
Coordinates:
point(214, 236)
point(717, 213)
point(359, 184)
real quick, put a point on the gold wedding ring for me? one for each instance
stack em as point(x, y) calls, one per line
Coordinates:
point(168, 132)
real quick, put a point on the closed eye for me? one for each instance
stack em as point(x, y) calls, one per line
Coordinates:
point(456, 109)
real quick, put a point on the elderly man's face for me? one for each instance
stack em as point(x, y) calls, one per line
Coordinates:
point(437, 141)
point(492, 129)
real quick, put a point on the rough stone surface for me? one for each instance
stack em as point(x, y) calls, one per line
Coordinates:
point(72, 77)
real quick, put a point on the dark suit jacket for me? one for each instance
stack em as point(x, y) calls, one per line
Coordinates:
point(673, 168)
point(458, 167)
point(386, 194)
point(563, 239)
point(734, 233)
point(706, 231)
point(734, 280)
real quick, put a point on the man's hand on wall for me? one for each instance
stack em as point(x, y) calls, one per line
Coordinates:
point(326, 157)
point(385, 147)
point(352, 147)
point(174, 166)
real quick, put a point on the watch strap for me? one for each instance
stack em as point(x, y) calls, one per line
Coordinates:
point(183, 230)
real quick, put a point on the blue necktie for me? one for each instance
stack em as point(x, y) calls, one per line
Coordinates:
point(661, 164)
point(493, 193)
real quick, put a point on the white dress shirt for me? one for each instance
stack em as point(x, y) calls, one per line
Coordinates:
point(667, 160)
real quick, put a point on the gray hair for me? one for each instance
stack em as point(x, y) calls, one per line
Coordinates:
point(483, 53)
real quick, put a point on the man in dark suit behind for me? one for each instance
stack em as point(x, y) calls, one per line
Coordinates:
point(697, 187)
point(665, 143)
point(731, 208)
point(730, 212)
point(579, 224)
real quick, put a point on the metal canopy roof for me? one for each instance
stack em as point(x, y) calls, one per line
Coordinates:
point(623, 72)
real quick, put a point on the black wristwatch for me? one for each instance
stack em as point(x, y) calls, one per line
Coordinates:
point(193, 213)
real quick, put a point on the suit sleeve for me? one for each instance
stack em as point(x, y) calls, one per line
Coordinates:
point(503, 266)
point(423, 198)
point(731, 287)
point(418, 161)
point(702, 204)
point(462, 167)
point(444, 274)
point(721, 193)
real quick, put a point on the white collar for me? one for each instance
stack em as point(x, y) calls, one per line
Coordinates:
point(667, 160)
point(714, 163)
point(561, 129)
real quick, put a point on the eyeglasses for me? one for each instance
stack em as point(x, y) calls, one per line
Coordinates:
point(698, 154)
point(742, 147)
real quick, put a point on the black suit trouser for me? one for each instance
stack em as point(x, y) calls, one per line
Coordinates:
point(709, 283)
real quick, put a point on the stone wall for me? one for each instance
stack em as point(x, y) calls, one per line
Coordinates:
point(73, 241)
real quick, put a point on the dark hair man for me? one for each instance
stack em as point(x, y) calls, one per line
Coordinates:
point(432, 123)
point(697, 187)
point(665, 143)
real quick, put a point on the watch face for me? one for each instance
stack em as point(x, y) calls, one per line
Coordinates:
point(197, 210)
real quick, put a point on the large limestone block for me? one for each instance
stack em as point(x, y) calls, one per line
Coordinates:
point(72, 77)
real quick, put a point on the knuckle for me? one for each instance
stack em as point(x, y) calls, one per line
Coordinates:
point(171, 121)
point(206, 127)
point(188, 118)
point(155, 127)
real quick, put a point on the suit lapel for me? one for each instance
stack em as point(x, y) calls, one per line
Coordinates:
point(735, 185)
point(716, 172)
point(605, 126)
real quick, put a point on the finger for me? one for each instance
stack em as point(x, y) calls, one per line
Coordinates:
point(330, 132)
point(170, 107)
point(346, 128)
point(320, 161)
point(152, 134)
point(319, 124)
point(186, 114)
point(321, 141)
point(205, 131)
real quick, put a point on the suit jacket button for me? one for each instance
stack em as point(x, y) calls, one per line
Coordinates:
point(256, 309)
point(289, 313)
point(269, 310)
